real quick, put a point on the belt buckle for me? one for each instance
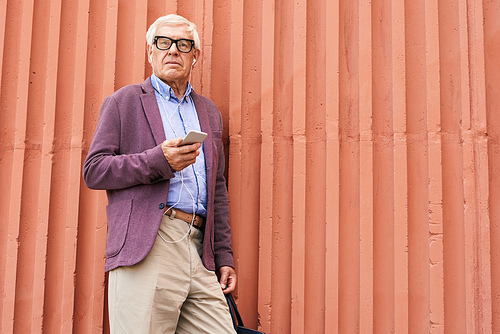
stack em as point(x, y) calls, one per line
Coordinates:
point(172, 214)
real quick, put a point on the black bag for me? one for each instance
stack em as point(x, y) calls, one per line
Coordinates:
point(237, 321)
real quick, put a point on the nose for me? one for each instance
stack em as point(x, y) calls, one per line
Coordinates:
point(173, 49)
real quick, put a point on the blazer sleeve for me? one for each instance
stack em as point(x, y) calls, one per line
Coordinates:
point(121, 155)
point(223, 253)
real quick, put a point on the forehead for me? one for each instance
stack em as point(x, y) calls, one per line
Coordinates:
point(173, 31)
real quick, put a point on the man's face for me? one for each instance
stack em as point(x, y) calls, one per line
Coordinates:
point(172, 66)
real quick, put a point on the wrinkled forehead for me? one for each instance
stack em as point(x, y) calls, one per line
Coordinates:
point(175, 31)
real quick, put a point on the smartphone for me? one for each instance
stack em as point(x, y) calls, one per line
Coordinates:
point(193, 137)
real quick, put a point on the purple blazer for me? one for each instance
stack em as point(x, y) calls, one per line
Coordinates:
point(126, 159)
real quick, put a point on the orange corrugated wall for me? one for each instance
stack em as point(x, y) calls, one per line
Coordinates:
point(363, 146)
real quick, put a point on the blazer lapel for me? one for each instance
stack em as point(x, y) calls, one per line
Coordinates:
point(205, 127)
point(150, 107)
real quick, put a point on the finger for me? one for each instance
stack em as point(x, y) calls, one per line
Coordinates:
point(224, 280)
point(189, 148)
point(231, 285)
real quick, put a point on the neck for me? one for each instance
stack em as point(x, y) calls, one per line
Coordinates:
point(179, 88)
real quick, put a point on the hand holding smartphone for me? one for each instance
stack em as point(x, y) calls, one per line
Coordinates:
point(193, 137)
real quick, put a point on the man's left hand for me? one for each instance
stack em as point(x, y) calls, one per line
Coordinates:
point(227, 279)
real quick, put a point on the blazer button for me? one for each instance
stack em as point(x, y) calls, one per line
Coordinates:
point(161, 206)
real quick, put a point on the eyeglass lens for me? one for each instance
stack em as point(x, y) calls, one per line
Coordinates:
point(164, 43)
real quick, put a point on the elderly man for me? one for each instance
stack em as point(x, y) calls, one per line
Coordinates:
point(168, 247)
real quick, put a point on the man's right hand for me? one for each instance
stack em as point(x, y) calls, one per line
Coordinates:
point(180, 157)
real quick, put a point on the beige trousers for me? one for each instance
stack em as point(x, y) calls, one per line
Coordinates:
point(170, 291)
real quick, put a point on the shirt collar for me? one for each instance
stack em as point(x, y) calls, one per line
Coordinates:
point(166, 91)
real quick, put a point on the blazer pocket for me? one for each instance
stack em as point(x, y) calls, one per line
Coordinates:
point(217, 134)
point(118, 214)
point(217, 144)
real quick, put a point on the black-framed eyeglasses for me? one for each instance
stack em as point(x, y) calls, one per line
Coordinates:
point(164, 43)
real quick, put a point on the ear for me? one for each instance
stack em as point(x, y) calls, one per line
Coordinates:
point(150, 54)
point(196, 55)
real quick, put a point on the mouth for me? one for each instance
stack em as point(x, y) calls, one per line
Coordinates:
point(173, 63)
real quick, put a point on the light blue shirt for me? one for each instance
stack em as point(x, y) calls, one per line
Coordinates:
point(188, 189)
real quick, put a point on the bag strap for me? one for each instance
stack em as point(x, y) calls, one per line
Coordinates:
point(233, 309)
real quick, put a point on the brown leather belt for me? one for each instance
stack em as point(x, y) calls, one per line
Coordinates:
point(199, 221)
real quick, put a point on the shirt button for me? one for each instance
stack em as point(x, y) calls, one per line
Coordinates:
point(161, 206)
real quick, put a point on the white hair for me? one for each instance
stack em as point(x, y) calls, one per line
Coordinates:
point(173, 20)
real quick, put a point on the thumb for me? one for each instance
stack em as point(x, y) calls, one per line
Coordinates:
point(172, 142)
